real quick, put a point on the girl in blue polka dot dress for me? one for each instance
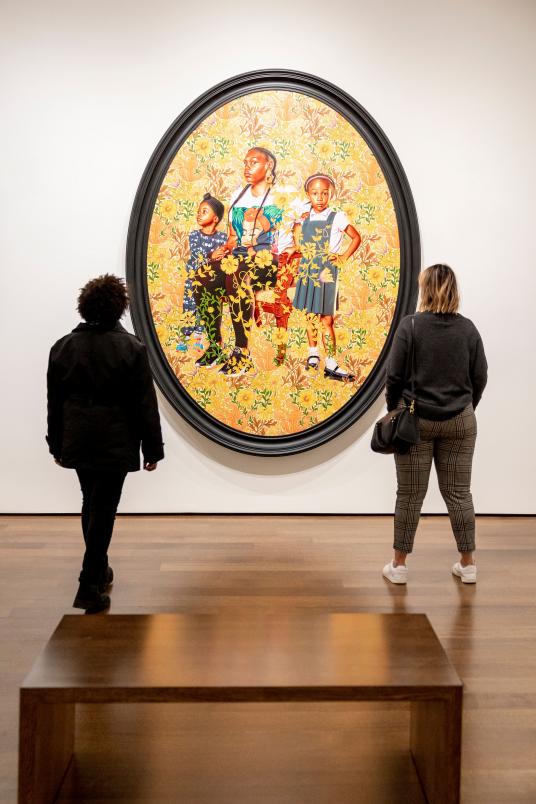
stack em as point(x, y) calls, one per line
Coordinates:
point(203, 242)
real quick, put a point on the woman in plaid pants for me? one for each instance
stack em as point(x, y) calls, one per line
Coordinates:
point(450, 373)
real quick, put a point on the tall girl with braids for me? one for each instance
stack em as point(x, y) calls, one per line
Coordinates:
point(246, 263)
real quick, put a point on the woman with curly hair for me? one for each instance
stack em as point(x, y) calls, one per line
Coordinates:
point(101, 408)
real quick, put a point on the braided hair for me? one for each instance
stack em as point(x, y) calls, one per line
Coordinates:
point(269, 156)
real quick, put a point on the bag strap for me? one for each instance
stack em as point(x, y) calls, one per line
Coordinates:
point(412, 366)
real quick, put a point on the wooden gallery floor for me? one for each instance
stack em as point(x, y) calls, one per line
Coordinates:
point(282, 754)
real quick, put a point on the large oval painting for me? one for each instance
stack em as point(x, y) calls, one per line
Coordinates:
point(273, 248)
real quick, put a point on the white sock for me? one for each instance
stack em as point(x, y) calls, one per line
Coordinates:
point(313, 351)
point(331, 363)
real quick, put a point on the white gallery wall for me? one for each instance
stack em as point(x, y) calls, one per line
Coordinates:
point(88, 89)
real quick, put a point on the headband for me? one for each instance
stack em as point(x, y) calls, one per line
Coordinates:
point(318, 176)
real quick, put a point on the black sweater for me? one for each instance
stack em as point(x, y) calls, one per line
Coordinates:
point(450, 365)
point(101, 401)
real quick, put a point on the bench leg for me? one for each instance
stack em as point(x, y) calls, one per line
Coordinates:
point(46, 741)
point(436, 742)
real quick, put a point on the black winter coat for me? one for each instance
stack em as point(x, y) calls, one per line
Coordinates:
point(101, 401)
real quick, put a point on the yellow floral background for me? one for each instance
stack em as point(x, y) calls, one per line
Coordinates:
point(306, 136)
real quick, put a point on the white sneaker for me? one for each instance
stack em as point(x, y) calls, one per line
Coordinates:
point(467, 574)
point(394, 574)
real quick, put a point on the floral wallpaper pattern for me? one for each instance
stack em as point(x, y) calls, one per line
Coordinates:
point(277, 397)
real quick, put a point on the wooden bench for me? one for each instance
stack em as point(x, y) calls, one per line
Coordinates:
point(245, 657)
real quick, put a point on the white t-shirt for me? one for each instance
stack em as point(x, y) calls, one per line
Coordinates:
point(264, 234)
point(340, 222)
point(294, 215)
point(248, 200)
point(291, 216)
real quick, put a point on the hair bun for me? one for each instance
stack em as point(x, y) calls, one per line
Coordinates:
point(216, 206)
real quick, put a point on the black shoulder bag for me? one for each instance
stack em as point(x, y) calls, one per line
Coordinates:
point(399, 429)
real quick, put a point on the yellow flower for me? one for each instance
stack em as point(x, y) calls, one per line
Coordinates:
point(308, 251)
point(306, 398)
point(325, 149)
point(168, 208)
point(229, 264)
point(174, 318)
point(203, 146)
point(263, 258)
point(245, 397)
point(342, 337)
point(283, 200)
point(351, 212)
point(376, 276)
point(280, 336)
point(211, 380)
point(156, 254)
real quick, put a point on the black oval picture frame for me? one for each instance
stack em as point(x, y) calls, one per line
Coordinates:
point(138, 238)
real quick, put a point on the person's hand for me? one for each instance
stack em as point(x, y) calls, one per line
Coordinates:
point(336, 259)
point(218, 253)
point(326, 275)
point(150, 467)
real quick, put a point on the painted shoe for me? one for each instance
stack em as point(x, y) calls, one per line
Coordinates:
point(338, 374)
point(398, 574)
point(313, 362)
point(211, 357)
point(237, 364)
point(466, 574)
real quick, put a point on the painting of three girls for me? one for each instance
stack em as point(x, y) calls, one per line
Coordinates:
point(267, 246)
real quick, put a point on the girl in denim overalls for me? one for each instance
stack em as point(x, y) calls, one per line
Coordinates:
point(317, 290)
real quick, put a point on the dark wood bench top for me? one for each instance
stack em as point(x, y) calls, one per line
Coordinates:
point(243, 657)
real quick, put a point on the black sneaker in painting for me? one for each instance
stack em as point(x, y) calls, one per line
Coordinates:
point(338, 374)
point(237, 364)
point(211, 357)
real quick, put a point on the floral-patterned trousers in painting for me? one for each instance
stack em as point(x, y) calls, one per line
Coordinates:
point(238, 289)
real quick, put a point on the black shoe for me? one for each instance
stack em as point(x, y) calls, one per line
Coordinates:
point(338, 374)
point(211, 357)
point(107, 581)
point(90, 598)
point(237, 364)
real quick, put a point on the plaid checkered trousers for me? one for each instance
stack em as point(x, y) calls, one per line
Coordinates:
point(450, 444)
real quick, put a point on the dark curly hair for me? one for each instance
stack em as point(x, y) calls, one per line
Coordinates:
point(103, 300)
